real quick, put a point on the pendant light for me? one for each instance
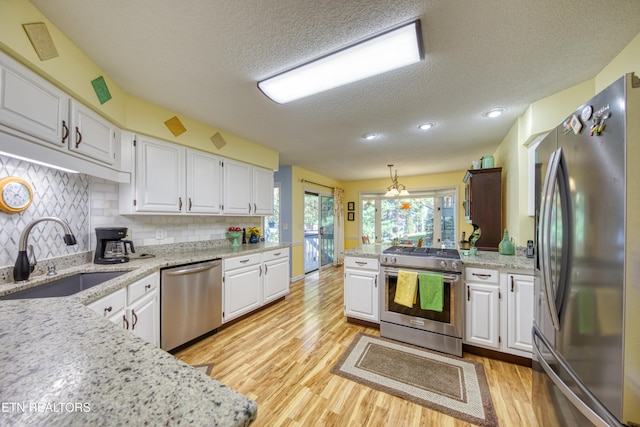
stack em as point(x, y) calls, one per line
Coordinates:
point(394, 189)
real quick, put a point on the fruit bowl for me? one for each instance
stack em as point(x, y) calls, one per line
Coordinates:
point(234, 235)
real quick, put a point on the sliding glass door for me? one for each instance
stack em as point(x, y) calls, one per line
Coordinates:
point(318, 231)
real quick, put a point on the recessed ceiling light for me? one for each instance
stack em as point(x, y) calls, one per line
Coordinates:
point(426, 125)
point(369, 136)
point(392, 49)
point(493, 113)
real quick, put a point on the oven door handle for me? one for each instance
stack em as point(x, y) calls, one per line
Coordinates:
point(451, 278)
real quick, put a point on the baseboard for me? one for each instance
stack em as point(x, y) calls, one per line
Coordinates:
point(363, 322)
point(493, 354)
point(295, 279)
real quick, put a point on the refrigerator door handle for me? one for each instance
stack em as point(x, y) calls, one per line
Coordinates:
point(544, 236)
point(564, 388)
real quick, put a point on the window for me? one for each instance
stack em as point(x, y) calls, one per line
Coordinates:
point(426, 215)
point(272, 222)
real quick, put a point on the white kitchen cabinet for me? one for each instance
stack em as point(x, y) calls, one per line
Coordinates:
point(30, 104)
point(262, 191)
point(482, 314)
point(275, 279)
point(242, 286)
point(170, 179)
point(91, 135)
point(41, 113)
point(494, 322)
point(204, 183)
point(519, 311)
point(159, 176)
point(361, 294)
point(248, 190)
point(136, 308)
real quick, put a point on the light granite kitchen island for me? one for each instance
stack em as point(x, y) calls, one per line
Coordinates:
point(61, 364)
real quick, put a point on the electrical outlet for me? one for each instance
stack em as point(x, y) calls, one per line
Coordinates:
point(161, 234)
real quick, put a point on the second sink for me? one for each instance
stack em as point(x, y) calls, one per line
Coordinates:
point(66, 286)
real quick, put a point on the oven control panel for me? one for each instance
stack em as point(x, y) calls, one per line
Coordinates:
point(453, 265)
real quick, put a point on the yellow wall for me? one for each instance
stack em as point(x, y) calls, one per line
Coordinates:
point(540, 117)
point(352, 190)
point(73, 72)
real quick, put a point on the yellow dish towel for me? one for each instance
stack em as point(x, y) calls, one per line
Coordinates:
point(406, 289)
point(431, 292)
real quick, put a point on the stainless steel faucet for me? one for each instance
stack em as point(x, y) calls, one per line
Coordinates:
point(26, 263)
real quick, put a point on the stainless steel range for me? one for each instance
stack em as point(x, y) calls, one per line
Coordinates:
point(433, 329)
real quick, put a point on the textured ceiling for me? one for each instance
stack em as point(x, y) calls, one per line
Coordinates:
point(203, 58)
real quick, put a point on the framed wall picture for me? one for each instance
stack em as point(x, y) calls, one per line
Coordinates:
point(351, 206)
point(351, 216)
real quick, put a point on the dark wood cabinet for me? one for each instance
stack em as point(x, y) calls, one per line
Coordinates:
point(483, 205)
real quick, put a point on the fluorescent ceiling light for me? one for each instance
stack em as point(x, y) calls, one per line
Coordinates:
point(385, 52)
point(370, 136)
point(426, 126)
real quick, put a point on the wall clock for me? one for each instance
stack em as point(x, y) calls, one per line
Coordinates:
point(16, 194)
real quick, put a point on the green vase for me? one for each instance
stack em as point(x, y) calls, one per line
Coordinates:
point(505, 247)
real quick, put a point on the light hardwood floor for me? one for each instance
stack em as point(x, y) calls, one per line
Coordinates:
point(281, 357)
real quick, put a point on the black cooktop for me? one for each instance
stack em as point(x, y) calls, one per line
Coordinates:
point(427, 252)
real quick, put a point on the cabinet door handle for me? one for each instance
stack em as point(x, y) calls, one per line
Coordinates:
point(249, 207)
point(375, 282)
point(190, 204)
point(260, 271)
point(65, 132)
point(468, 294)
point(135, 320)
point(78, 137)
point(511, 283)
point(255, 208)
point(180, 203)
point(265, 269)
point(126, 322)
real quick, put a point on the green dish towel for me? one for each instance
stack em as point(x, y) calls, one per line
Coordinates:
point(431, 291)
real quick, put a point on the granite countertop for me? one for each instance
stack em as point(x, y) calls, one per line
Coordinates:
point(485, 259)
point(491, 259)
point(62, 364)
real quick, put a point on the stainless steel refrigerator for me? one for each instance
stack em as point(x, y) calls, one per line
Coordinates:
point(586, 331)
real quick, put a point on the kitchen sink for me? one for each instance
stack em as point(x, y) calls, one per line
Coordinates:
point(66, 286)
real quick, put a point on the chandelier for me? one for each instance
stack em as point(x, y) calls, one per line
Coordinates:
point(394, 189)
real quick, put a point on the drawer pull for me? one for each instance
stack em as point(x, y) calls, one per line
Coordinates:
point(147, 287)
point(361, 263)
point(108, 310)
point(244, 260)
point(482, 276)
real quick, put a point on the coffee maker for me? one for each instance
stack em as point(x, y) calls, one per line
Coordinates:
point(110, 247)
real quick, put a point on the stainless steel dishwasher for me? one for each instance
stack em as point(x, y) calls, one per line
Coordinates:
point(190, 302)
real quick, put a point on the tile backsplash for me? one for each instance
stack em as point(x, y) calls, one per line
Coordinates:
point(85, 203)
point(56, 193)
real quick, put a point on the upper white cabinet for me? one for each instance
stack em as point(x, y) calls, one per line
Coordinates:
point(171, 179)
point(35, 110)
point(30, 104)
point(159, 179)
point(91, 135)
point(248, 190)
point(262, 191)
point(204, 183)
point(238, 184)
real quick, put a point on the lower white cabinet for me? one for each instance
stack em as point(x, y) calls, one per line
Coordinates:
point(136, 308)
point(519, 311)
point(494, 321)
point(251, 281)
point(242, 285)
point(361, 294)
point(276, 274)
